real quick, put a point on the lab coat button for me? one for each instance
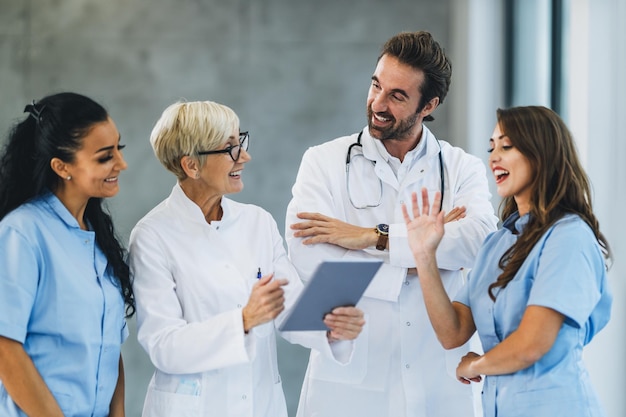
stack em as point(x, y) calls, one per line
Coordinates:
point(243, 397)
point(408, 323)
point(238, 305)
point(406, 282)
point(407, 366)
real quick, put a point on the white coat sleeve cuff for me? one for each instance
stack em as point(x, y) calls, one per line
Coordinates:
point(399, 251)
point(387, 283)
point(249, 340)
point(342, 351)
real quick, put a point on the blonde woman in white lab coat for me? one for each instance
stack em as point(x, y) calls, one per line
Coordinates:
point(205, 318)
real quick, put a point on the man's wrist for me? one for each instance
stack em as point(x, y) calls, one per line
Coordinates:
point(382, 230)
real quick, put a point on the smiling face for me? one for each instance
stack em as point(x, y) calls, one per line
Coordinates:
point(511, 169)
point(97, 164)
point(221, 175)
point(393, 100)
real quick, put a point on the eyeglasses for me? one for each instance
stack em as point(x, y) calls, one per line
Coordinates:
point(233, 151)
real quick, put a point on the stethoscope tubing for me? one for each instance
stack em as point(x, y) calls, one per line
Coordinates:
point(358, 143)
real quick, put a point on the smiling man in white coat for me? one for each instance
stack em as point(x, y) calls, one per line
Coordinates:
point(347, 204)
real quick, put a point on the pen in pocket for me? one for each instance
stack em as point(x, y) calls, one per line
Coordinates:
point(258, 274)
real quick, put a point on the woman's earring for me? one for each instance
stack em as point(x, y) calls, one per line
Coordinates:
point(197, 175)
point(69, 177)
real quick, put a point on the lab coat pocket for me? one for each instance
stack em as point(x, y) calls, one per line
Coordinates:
point(173, 395)
point(353, 372)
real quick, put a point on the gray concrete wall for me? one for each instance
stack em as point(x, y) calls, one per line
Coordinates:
point(296, 72)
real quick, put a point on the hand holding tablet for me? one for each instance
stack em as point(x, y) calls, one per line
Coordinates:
point(335, 283)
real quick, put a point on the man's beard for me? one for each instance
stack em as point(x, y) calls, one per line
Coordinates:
point(399, 131)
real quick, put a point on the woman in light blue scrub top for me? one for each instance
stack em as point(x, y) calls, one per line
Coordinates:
point(64, 282)
point(538, 292)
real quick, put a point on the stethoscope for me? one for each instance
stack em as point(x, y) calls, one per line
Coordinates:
point(380, 182)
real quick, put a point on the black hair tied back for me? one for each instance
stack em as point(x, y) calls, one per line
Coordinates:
point(33, 111)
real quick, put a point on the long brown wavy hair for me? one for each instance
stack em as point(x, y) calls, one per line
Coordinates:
point(559, 186)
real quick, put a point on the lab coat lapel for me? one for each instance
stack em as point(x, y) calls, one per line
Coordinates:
point(382, 168)
point(428, 165)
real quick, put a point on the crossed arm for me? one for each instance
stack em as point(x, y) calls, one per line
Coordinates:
point(318, 228)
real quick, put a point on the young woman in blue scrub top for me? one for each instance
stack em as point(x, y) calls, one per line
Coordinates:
point(538, 292)
point(63, 279)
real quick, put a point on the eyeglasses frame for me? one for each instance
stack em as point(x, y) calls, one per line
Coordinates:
point(243, 137)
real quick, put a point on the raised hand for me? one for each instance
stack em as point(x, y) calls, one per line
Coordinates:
point(266, 301)
point(425, 230)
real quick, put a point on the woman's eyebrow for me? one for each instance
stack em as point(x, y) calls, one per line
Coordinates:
point(108, 148)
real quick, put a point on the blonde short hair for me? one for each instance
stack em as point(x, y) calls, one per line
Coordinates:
point(186, 128)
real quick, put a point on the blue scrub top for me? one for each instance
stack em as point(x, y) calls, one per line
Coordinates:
point(59, 299)
point(565, 271)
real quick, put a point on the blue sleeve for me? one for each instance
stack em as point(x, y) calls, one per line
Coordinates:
point(571, 276)
point(18, 283)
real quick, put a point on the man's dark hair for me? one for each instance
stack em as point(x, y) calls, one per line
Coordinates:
point(421, 51)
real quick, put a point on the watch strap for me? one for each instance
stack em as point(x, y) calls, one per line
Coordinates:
point(383, 236)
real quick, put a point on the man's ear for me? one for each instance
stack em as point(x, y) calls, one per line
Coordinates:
point(190, 166)
point(430, 107)
point(60, 168)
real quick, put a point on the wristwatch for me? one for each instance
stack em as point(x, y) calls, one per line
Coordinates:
point(382, 230)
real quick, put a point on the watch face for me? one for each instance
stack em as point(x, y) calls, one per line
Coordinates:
point(383, 228)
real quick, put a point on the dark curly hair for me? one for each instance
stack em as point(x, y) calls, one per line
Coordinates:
point(420, 51)
point(55, 128)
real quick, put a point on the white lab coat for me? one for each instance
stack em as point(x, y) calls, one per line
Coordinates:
point(191, 281)
point(398, 368)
